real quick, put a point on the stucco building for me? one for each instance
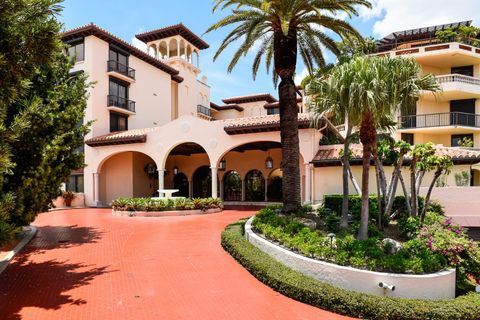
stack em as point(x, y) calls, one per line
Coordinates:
point(155, 126)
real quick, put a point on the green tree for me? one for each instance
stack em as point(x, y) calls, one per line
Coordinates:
point(279, 29)
point(41, 106)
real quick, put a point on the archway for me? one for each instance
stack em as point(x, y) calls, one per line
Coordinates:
point(274, 186)
point(254, 186)
point(127, 174)
point(202, 182)
point(232, 186)
point(180, 182)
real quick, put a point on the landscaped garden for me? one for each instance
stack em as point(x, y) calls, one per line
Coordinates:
point(167, 204)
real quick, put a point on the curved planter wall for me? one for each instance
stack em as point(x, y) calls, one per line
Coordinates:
point(434, 286)
point(163, 213)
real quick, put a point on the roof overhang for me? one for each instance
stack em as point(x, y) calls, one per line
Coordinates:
point(110, 140)
point(174, 30)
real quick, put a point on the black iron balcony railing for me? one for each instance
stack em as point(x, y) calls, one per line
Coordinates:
point(458, 78)
point(439, 120)
point(204, 110)
point(116, 66)
point(116, 101)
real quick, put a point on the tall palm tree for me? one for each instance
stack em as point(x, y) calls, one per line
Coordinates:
point(278, 30)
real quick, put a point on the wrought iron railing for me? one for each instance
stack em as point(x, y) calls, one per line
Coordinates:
point(439, 120)
point(204, 110)
point(458, 78)
point(116, 101)
point(116, 66)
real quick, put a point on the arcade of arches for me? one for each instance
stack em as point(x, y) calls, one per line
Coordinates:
point(248, 173)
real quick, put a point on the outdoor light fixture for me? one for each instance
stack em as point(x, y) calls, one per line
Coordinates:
point(151, 168)
point(175, 170)
point(269, 163)
point(331, 236)
point(222, 165)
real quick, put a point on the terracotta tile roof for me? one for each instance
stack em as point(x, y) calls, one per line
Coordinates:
point(260, 123)
point(251, 98)
point(225, 107)
point(93, 30)
point(174, 30)
point(121, 137)
point(330, 155)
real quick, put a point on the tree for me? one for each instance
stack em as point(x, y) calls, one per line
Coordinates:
point(41, 105)
point(280, 29)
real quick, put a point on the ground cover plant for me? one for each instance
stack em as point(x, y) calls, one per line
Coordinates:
point(171, 204)
point(405, 245)
point(305, 289)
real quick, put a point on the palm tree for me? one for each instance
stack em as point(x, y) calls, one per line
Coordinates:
point(279, 29)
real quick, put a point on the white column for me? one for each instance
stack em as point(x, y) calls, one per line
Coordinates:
point(214, 181)
point(161, 181)
point(266, 190)
point(198, 60)
point(308, 183)
point(243, 189)
point(168, 50)
point(96, 189)
point(178, 48)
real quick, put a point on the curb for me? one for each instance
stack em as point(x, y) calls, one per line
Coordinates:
point(29, 233)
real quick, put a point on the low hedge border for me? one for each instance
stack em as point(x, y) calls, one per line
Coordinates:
point(305, 289)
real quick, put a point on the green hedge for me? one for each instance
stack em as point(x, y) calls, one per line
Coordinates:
point(305, 289)
point(177, 204)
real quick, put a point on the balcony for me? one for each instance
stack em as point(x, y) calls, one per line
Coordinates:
point(439, 121)
point(120, 104)
point(120, 70)
point(204, 111)
point(456, 87)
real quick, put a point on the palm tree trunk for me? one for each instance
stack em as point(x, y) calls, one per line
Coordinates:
point(346, 151)
point(413, 191)
point(285, 57)
point(368, 138)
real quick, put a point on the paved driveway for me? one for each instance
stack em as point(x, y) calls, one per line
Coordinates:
point(87, 264)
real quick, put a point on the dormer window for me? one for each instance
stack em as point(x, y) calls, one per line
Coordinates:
point(76, 49)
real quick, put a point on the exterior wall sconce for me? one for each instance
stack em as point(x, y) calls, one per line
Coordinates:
point(150, 168)
point(222, 166)
point(175, 170)
point(269, 163)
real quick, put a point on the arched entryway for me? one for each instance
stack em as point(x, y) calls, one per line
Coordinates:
point(127, 174)
point(202, 182)
point(232, 185)
point(274, 186)
point(180, 182)
point(254, 186)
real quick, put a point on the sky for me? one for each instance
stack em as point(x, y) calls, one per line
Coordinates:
point(125, 18)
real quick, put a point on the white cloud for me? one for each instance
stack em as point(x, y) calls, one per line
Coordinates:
point(300, 76)
point(139, 44)
point(397, 15)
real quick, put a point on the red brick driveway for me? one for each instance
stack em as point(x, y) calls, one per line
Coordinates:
point(87, 264)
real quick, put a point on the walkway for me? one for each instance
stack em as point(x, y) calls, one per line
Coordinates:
point(87, 264)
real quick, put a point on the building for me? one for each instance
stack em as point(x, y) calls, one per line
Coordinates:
point(156, 128)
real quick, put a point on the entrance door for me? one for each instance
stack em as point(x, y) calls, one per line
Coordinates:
point(180, 182)
point(232, 184)
point(254, 186)
point(202, 182)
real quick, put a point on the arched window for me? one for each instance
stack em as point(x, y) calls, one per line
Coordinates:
point(232, 186)
point(254, 186)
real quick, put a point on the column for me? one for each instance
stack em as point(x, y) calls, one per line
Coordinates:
point(96, 189)
point(178, 48)
point(266, 190)
point(190, 189)
point(161, 181)
point(214, 181)
point(168, 50)
point(243, 190)
point(308, 183)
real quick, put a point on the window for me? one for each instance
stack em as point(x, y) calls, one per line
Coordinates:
point(76, 50)
point(408, 137)
point(118, 56)
point(118, 88)
point(75, 183)
point(457, 139)
point(118, 122)
point(273, 111)
point(465, 70)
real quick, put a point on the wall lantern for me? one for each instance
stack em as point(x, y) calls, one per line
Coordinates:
point(222, 165)
point(175, 170)
point(150, 168)
point(269, 163)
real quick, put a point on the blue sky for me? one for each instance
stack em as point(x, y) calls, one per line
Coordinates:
point(126, 18)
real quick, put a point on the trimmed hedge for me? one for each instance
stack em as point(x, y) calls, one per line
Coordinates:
point(305, 289)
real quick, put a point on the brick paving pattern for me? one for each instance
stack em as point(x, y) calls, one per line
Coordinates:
point(87, 264)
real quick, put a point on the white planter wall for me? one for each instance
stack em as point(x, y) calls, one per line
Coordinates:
point(435, 286)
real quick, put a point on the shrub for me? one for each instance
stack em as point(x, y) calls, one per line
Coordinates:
point(305, 289)
point(177, 204)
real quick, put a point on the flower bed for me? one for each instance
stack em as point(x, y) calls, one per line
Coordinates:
point(305, 289)
point(149, 205)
